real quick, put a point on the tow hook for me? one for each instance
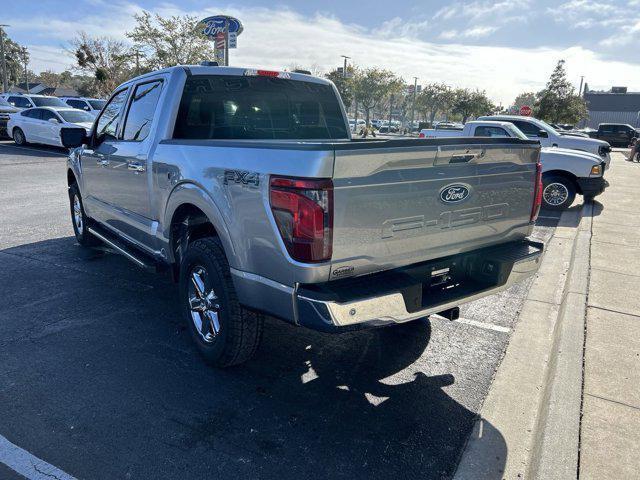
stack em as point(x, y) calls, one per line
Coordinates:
point(451, 313)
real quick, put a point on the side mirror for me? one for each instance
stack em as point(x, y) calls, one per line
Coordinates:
point(73, 137)
point(543, 134)
point(54, 120)
point(86, 108)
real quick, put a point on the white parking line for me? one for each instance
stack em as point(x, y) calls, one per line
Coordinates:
point(475, 323)
point(27, 465)
point(486, 326)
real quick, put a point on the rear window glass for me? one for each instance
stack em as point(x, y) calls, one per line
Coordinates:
point(48, 102)
point(243, 108)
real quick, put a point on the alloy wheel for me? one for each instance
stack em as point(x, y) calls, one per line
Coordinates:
point(555, 194)
point(204, 306)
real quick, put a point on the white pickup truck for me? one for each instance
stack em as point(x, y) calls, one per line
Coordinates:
point(565, 172)
point(536, 129)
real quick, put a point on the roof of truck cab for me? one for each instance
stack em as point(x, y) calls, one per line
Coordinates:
point(235, 71)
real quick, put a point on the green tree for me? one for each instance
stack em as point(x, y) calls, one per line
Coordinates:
point(343, 84)
point(468, 103)
point(558, 102)
point(165, 42)
point(525, 98)
point(434, 98)
point(373, 86)
point(108, 62)
point(15, 57)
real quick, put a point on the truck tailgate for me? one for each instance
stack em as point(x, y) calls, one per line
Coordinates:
point(402, 205)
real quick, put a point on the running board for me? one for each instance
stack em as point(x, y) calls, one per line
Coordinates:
point(123, 250)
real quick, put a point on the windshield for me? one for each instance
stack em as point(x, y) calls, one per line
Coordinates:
point(48, 102)
point(548, 128)
point(244, 108)
point(75, 116)
point(97, 104)
point(516, 132)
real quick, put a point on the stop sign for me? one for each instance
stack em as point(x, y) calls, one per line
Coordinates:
point(525, 110)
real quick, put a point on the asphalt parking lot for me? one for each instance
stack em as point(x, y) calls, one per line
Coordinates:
point(99, 378)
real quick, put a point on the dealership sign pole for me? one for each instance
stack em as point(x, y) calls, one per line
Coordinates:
point(224, 31)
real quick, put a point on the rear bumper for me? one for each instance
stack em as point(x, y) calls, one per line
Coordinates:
point(396, 296)
point(590, 187)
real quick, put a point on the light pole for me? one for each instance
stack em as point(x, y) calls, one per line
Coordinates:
point(25, 57)
point(344, 69)
point(413, 105)
point(4, 60)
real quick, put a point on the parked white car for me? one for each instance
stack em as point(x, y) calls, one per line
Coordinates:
point(536, 129)
point(23, 101)
point(92, 106)
point(565, 172)
point(43, 124)
point(361, 125)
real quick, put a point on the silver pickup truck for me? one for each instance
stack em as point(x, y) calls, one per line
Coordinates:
point(247, 186)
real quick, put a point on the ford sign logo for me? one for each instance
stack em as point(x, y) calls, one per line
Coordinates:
point(454, 193)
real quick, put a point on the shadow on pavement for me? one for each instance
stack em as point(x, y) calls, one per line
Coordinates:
point(99, 366)
point(31, 150)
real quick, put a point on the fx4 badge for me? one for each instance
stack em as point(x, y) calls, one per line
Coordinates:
point(241, 177)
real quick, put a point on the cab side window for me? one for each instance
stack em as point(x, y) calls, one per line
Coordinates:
point(78, 104)
point(47, 115)
point(35, 113)
point(491, 132)
point(143, 106)
point(110, 117)
point(527, 128)
point(19, 102)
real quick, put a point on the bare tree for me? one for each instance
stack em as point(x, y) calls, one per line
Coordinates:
point(106, 60)
point(165, 42)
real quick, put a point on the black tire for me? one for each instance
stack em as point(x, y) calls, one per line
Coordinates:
point(239, 330)
point(558, 192)
point(80, 221)
point(19, 137)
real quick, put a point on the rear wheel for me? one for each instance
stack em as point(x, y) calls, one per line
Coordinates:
point(558, 192)
point(18, 137)
point(224, 331)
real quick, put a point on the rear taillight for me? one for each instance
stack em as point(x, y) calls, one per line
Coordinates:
point(421, 135)
point(537, 193)
point(303, 211)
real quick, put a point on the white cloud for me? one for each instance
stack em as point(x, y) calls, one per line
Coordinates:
point(503, 72)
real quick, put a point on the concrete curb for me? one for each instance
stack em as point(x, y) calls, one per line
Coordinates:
point(535, 400)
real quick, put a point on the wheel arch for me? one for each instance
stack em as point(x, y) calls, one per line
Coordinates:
point(190, 214)
point(71, 177)
point(564, 174)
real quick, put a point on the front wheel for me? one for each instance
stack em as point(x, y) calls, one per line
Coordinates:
point(224, 331)
point(79, 219)
point(558, 192)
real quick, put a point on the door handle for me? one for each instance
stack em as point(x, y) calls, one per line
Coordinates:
point(136, 167)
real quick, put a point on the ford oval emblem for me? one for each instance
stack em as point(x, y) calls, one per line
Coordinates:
point(454, 193)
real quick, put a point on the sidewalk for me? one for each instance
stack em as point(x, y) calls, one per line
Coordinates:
point(610, 426)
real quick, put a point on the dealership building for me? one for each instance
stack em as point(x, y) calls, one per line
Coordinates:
point(615, 106)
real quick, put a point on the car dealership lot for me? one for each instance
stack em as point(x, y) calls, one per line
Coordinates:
point(99, 378)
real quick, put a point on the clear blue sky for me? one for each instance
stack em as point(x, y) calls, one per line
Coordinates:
point(599, 38)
